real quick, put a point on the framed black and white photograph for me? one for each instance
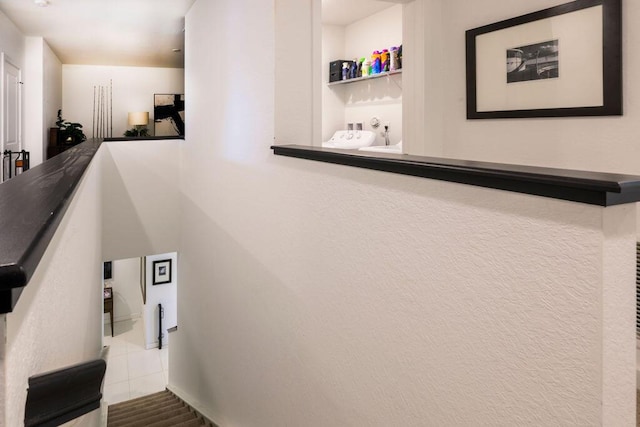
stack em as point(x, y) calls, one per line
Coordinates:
point(161, 272)
point(168, 114)
point(108, 293)
point(557, 62)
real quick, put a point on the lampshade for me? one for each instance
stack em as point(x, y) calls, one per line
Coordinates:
point(139, 119)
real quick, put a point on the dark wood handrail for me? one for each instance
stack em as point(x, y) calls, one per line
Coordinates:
point(31, 207)
point(59, 396)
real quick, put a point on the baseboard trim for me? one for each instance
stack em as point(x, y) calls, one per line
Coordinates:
point(195, 404)
point(134, 316)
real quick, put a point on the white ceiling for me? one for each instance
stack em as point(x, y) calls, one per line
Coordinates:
point(135, 32)
point(345, 12)
point(106, 32)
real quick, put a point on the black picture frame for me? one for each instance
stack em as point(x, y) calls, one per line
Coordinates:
point(611, 84)
point(108, 270)
point(161, 272)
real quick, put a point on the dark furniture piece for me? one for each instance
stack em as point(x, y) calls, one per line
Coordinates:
point(56, 146)
point(108, 305)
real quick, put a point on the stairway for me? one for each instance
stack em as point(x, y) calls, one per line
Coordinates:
point(163, 409)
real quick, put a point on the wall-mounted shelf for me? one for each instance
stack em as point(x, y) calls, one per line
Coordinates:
point(359, 79)
point(594, 188)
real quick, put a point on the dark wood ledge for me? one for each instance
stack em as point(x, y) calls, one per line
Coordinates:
point(31, 207)
point(594, 188)
point(143, 138)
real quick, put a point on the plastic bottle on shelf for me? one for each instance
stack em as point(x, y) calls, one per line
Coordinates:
point(360, 62)
point(366, 68)
point(345, 70)
point(353, 70)
point(394, 59)
point(384, 60)
point(376, 64)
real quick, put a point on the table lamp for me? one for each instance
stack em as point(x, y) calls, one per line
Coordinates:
point(139, 121)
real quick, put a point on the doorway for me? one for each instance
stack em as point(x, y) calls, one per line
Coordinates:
point(10, 107)
point(136, 287)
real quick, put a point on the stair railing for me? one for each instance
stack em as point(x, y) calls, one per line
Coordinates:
point(56, 397)
point(15, 162)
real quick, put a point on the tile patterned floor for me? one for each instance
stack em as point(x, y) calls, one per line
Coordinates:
point(132, 371)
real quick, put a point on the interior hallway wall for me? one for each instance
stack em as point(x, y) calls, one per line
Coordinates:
point(52, 96)
point(339, 296)
point(606, 143)
point(32, 97)
point(43, 332)
point(141, 203)
point(332, 97)
point(12, 41)
point(127, 295)
point(586, 143)
point(42, 95)
point(133, 90)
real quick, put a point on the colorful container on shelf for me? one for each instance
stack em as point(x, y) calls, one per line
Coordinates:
point(380, 62)
point(376, 64)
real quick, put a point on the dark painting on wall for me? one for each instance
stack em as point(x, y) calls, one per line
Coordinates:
point(168, 114)
point(108, 270)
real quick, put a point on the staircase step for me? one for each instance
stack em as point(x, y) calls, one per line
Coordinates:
point(141, 399)
point(150, 418)
point(149, 406)
point(194, 423)
point(162, 409)
point(172, 406)
point(178, 420)
point(160, 401)
point(115, 410)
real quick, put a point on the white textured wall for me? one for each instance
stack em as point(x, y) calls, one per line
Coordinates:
point(52, 96)
point(32, 96)
point(58, 319)
point(127, 295)
point(141, 203)
point(296, 58)
point(601, 143)
point(332, 96)
point(339, 296)
point(42, 96)
point(12, 41)
point(424, 54)
point(133, 90)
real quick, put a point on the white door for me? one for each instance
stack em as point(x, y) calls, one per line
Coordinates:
point(10, 108)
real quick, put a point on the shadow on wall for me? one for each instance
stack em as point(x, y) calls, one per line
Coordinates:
point(140, 202)
point(282, 315)
point(120, 213)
